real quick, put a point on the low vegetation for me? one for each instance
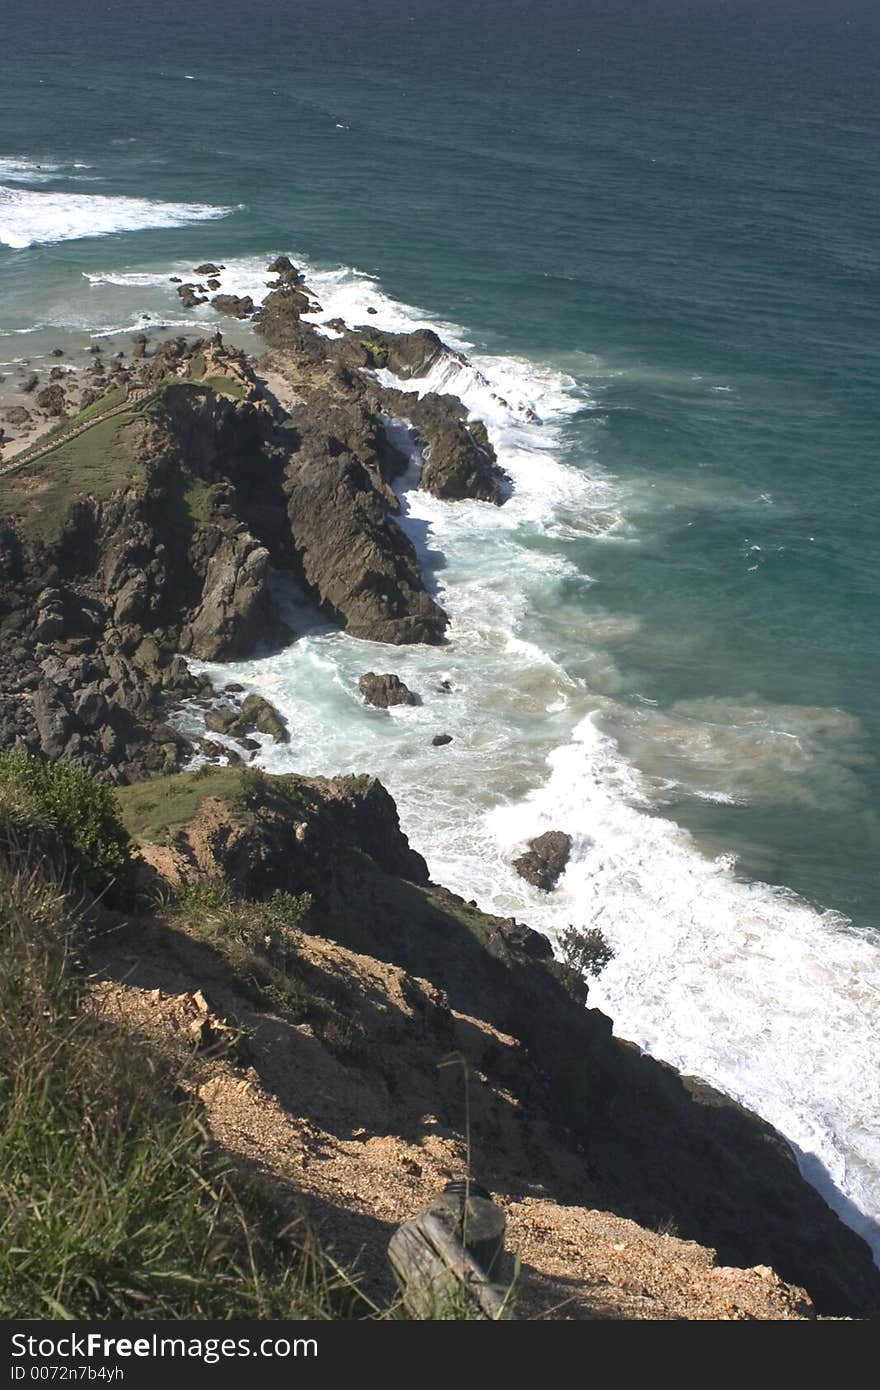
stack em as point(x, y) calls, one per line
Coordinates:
point(73, 818)
point(94, 464)
point(112, 1202)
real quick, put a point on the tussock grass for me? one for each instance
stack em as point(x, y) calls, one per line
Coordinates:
point(112, 1202)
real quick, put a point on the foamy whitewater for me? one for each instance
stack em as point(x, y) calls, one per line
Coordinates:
point(31, 216)
point(745, 985)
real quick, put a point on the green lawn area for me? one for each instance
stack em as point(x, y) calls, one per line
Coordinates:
point(95, 464)
point(226, 386)
point(150, 809)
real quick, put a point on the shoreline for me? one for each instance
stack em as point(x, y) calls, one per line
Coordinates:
point(148, 360)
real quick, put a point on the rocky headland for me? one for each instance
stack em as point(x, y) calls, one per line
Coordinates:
point(151, 528)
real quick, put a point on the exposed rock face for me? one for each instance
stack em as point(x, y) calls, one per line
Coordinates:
point(405, 354)
point(190, 296)
point(278, 322)
point(52, 399)
point(386, 690)
point(441, 740)
point(458, 459)
point(361, 566)
point(237, 722)
point(237, 306)
point(237, 611)
point(17, 415)
point(545, 860)
point(257, 713)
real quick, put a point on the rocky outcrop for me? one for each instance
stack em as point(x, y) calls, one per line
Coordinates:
point(545, 859)
point(237, 612)
point(406, 355)
point(278, 322)
point(386, 690)
point(361, 567)
point(52, 399)
point(236, 306)
point(190, 296)
point(458, 460)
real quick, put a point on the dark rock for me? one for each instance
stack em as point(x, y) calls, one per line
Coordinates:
point(361, 566)
point(237, 306)
point(211, 749)
point(189, 296)
point(257, 713)
point(440, 740)
point(140, 345)
point(30, 383)
point(386, 690)
point(209, 268)
point(283, 265)
point(57, 374)
point(175, 280)
point(58, 352)
point(223, 720)
point(458, 458)
point(279, 323)
point(233, 688)
point(213, 284)
point(17, 415)
point(52, 399)
point(237, 610)
point(545, 860)
point(371, 310)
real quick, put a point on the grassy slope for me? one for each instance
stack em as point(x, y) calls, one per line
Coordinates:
point(94, 464)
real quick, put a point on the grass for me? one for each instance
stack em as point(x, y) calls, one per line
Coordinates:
point(95, 464)
point(226, 386)
point(113, 1203)
point(153, 809)
point(150, 810)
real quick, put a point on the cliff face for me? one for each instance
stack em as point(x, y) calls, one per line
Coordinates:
point(641, 1141)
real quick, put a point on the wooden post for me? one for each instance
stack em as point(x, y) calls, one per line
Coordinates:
point(444, 1258)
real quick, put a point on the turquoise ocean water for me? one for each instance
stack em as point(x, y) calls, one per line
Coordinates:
point(656, 224)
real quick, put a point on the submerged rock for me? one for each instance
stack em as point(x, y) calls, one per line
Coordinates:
point(545, 859)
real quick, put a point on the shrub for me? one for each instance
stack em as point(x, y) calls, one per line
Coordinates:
point(583, 953)
point(39, 797)
point(586, 951)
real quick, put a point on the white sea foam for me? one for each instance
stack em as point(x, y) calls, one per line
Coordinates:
point(29, 216)
point(15, 170)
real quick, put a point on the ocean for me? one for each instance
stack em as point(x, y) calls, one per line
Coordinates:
point(654, 224)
